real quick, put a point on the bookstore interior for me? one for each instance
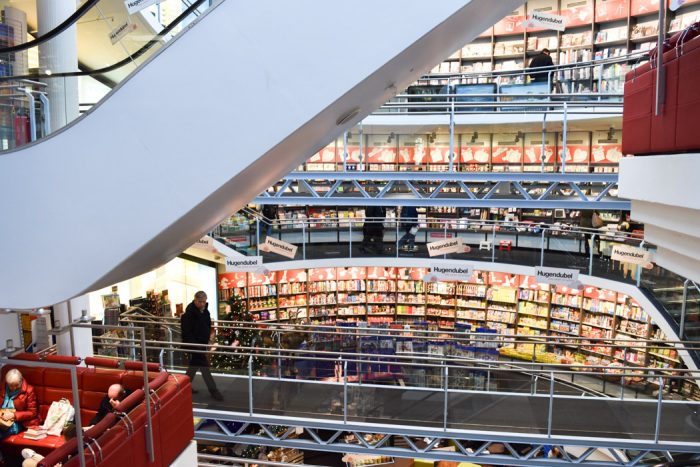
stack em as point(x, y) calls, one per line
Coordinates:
point(605, 324)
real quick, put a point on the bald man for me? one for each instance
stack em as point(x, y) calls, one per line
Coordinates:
point(115, 394)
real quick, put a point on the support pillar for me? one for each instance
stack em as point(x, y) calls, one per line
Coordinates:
point(82, 338)
point(58, 55)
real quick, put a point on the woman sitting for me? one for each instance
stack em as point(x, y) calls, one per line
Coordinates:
point(20, 408)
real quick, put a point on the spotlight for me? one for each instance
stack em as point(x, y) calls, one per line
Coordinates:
point(474, 137)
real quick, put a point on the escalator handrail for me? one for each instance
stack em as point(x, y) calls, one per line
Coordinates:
point(70, 21)
point(89, 72)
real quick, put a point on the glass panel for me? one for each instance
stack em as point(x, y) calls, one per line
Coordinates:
point(395, 405)
point(623, 419)
point(295, 398)
point(41, 93)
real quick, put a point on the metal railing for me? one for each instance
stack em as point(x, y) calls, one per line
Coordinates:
point(541, 237)
point(73, 370)
point(530, 244)
point(33, 87)
point(451, 383)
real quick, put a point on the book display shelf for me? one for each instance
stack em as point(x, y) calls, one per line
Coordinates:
point(587, 151)
point(506, 303)
point(595, 29)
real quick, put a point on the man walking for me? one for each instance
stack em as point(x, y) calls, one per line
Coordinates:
point(196, 329)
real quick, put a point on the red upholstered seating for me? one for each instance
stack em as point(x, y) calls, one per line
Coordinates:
point(120, 438)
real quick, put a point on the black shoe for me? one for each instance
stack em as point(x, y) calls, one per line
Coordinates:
point(216, 395)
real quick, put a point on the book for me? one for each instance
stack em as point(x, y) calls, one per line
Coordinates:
point(35, 434)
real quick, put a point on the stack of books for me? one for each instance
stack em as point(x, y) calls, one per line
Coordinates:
point(35, 434)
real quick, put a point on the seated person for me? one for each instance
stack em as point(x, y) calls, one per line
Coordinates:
point(31, 458)
point(115, 394)
point(19, 404)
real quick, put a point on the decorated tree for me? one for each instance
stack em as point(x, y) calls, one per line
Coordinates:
point(234, 339)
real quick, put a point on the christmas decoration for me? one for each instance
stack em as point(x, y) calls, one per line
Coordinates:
point(235, 340)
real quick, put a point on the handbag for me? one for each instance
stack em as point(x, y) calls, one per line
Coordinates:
point(596, 221)
point(60, 413)
point(6, 424)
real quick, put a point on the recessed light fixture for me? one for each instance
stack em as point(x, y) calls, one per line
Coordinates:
point(346, 117)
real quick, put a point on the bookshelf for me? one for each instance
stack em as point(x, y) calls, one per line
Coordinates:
point(495, 301)
point(595, 29)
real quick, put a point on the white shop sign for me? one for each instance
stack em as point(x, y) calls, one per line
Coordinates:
point(273, 245)
point(545, 20)
point(121, 31)
point(443, 247)
point(204, 243)
point(630, 254)
point(557, 276)
point(449, 272)
point(244, 264)
point(133, 6)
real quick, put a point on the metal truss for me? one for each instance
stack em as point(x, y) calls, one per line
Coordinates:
point(454, 189)
point(422, 442)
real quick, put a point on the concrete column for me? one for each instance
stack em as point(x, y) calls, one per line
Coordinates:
point(82, 337)
point(60, 54)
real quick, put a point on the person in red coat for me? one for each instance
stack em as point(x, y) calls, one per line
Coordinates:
point(19, 404)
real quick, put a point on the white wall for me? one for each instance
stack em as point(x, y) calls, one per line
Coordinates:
point(180, 277)
point(9, 329)
point(136, 181)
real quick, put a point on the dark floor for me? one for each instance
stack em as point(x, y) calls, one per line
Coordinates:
point(487, 411)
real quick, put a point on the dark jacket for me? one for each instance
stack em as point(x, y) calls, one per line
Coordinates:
point(540, 60)
point(376, 227)
point(196, 329)
point(26, 405)
point(586, 219)
point(270, 212)
point(106, 407)
point(409, 216)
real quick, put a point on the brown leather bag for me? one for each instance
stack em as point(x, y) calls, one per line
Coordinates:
point(6, 424)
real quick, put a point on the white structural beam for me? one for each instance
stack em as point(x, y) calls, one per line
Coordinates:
point(158, 163)
point(665, 196)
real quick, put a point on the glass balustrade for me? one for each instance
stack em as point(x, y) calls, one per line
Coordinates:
point(48, 81)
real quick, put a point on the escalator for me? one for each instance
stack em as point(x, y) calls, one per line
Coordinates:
point(204, 125)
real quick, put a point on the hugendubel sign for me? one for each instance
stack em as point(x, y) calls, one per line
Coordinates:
point(630, 254)
point(444, 247)
point(244, 263)
point(133, 6)
point(556, 276)
point(279, 247)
